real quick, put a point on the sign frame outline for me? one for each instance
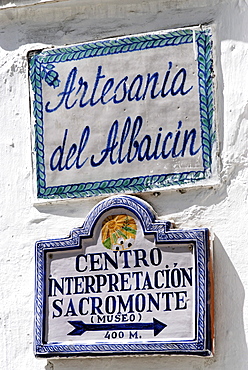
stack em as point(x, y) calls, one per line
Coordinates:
point(38, 62)
point(202, 343)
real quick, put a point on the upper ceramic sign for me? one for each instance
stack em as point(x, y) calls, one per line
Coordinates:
point(123, 115)
point(123, 283)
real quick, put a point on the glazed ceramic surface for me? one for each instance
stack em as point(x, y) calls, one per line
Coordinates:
point(123, 283)
point(125, 114)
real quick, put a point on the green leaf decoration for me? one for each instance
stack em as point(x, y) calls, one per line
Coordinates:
point(43, 68)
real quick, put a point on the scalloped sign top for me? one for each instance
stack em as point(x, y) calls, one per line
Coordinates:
point(128, 114)
point(124, 283)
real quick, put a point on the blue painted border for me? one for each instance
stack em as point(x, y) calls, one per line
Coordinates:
point(201, 345)
point(42, 67)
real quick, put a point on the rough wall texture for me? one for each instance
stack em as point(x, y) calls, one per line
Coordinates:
point(223, 209)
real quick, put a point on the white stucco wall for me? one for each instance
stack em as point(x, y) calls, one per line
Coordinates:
point(223, 209)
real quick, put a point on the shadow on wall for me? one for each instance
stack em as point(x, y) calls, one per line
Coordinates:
point(61, 22)
point(22, 26)
point(230, 345)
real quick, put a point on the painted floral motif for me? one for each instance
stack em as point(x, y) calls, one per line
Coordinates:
point(50, 75)
point(118, 232)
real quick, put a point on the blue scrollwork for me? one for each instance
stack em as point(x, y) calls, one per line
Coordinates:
point(163, 234)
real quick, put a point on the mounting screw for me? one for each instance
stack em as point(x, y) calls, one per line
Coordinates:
point(156, 193)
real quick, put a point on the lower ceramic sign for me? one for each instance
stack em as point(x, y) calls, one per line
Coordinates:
point(124, 283)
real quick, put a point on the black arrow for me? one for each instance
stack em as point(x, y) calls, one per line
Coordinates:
point(80, 327)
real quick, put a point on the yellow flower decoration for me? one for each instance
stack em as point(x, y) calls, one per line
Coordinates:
point(116, 230)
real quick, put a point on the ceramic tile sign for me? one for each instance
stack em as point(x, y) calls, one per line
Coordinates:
point(123, 283)
point(127, 114)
